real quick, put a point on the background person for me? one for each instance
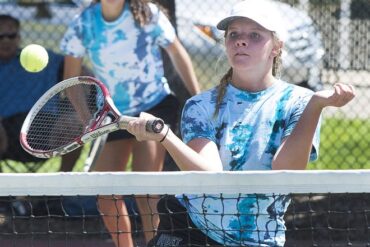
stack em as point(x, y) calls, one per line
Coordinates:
point(251, 121)
point(21, 89)
point(123, 40)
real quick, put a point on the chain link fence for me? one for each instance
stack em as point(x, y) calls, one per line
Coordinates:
point(328, 41)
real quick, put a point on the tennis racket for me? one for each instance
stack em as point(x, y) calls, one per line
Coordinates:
point(70, 114)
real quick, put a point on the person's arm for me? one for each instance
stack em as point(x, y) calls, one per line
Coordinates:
point(199, 155)
point(295, 150)
point(183, 65)
point(72, 67)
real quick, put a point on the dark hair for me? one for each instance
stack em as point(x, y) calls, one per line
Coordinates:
point(11, 19)
point(141, 11)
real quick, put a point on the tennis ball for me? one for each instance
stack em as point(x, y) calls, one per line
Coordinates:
point(34, 58)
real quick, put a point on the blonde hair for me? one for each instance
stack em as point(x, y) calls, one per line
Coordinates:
point(277, 62)
point(221, 90)
point(226, 78)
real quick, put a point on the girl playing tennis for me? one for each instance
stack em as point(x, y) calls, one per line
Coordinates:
point(251, 121)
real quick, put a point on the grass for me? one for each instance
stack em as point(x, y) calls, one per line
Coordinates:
point(50, 165)
point(345, 144)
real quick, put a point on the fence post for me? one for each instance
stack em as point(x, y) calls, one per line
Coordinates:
point(344, 34)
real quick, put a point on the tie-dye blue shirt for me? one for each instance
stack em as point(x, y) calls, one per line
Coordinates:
point(124, 56)
point(248, 130)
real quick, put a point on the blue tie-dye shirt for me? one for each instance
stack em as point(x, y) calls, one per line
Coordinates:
point(248, 130)
point(124, 56)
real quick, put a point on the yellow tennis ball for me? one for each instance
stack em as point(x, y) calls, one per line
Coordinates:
point(34, 58)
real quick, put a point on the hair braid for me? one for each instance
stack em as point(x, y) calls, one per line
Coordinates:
point(276, 67)
point(222, 90)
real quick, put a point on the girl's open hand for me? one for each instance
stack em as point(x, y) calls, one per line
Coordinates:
point(339, 96)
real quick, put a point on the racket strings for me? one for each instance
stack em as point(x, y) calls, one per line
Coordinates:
point(65, 117)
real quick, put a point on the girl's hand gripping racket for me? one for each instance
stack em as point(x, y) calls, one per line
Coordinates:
point(70, 114)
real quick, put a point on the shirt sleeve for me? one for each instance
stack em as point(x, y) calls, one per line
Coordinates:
point(196, 123)
point(161, 28)
point(71, 43)
point(298, 107)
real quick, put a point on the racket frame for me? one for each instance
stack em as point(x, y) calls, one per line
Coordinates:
point(94, 130)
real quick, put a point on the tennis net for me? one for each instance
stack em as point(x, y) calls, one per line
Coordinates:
point(323, 208)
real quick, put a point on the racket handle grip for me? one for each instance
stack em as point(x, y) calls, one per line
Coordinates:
point(155, 125)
